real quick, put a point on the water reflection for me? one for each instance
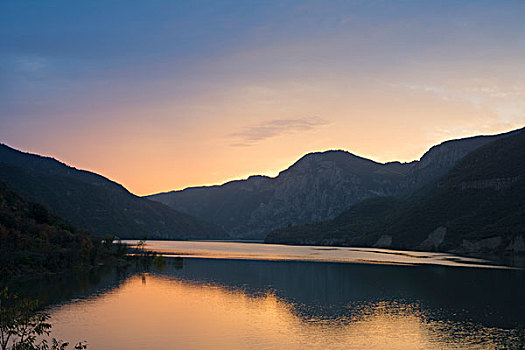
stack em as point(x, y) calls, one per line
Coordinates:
point(235, 304)
point(54, 289)
point(277, 252)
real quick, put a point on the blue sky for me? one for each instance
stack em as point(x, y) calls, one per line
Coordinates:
point(165, 94)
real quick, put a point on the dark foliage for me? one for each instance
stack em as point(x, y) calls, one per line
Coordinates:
point(32, 240)
point(24, 327)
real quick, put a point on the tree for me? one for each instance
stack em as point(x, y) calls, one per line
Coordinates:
point(24, 327)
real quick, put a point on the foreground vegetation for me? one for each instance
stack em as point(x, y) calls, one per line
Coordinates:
point(24, 327)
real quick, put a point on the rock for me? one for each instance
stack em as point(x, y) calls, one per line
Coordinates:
point(385, 241)
point(434, 239)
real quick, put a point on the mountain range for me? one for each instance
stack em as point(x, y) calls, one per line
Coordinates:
point(478, 206)
point(463, 195)
point(319, 186)
point(93, 202)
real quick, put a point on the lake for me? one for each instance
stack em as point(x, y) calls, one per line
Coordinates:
point(231, 295)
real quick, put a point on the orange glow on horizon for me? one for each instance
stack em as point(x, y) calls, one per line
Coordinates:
point(253, 129)
point(162, 104)
point(147, 169)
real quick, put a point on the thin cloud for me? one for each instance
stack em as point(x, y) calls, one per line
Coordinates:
point(505, 102)
point(258, 132)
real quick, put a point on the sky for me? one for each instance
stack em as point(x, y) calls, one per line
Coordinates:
point(162, 95)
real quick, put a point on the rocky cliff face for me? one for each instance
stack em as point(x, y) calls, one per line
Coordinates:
point(317, 187)
point(477, 207)
point(320, 186)
point(441, 158)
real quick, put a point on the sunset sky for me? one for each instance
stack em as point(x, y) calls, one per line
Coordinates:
point(162, 95)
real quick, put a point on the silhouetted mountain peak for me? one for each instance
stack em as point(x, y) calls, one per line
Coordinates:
point(319, 161)
point(51, 166)
point(461, 146)
point(476, 207)
point(318, 186)
point(94, 202)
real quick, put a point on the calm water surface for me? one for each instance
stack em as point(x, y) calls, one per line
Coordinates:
point(224, 300)
point(278, 252)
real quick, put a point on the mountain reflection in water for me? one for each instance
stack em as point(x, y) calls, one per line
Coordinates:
point(240, 304)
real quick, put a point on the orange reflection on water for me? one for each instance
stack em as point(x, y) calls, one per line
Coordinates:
point(269, 252)
point(152, 312)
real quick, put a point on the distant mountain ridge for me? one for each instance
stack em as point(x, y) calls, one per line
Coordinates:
point(93, 202)
point(476, 207)
point(318, 186)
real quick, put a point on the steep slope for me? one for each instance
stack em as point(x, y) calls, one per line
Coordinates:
point(477, 207)
point(95, 203)
point(33, 240)
point(441, 158)
point(317, 187)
